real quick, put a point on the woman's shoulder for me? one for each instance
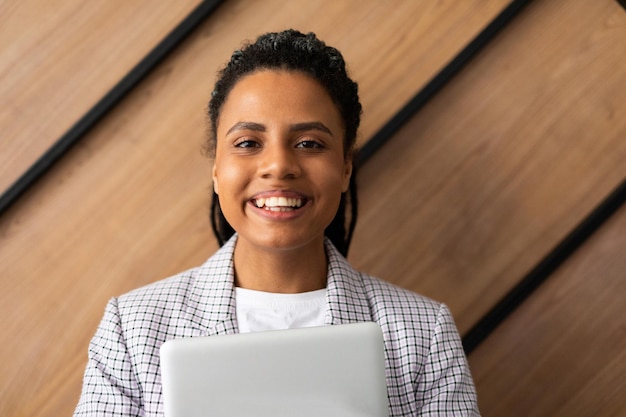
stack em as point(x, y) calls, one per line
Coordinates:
point(165, 294)
point(386, 300)
point(214, 272)
point(182, 305)
point(390, 300)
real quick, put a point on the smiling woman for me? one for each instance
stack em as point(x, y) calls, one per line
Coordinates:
point(318, 67)
point(280, 170)
point(284, 116)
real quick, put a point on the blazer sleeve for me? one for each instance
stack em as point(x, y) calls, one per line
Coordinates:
point(110, 386)
point(446, 386)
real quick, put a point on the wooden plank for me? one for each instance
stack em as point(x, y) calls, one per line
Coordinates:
point(57, 59)
point(129, 205)
point(512, 155)
point(563, 353)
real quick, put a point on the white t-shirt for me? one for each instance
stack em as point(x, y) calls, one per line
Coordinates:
point(259, 311)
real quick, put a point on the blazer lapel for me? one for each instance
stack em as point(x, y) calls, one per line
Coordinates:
point(211, 302)
point(346, 299)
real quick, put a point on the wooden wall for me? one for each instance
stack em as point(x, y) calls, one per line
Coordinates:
point(57, 59)
point(459, 205)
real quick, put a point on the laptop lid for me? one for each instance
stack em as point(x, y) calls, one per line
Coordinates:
point(317, 371)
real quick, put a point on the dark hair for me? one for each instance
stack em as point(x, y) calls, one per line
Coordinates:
point(294, 51)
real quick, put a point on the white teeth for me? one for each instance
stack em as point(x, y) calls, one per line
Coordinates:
point(276, 202)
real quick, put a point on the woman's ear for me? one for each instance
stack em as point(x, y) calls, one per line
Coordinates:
point(215, 180)
point(347, 173)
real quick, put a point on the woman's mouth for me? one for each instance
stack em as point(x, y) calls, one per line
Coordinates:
point(279, 203)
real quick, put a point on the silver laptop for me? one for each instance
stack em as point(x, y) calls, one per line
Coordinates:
point(318, 371)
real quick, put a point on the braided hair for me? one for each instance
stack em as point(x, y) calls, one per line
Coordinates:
point(294, 51)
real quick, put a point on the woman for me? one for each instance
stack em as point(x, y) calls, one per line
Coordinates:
point(284, 116)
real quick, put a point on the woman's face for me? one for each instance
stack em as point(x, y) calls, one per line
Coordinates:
point(279, 163)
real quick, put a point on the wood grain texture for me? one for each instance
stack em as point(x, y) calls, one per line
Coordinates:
point(498, 168)
point(82, 51)
point(58, 58)
point(129, 204)
point(563, 353)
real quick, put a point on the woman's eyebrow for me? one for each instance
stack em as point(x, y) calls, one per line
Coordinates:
point(298, 127)
point(301, 127)
point(257, 127)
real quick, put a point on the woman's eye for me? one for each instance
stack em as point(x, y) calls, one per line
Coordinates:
point(309, 144)
point(247, 143)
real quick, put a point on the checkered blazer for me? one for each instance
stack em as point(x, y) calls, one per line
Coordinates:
point(426, 369)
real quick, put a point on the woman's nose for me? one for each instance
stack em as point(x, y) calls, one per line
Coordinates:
point(280, 162)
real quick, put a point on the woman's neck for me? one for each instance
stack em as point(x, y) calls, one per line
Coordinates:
point(280, 271)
